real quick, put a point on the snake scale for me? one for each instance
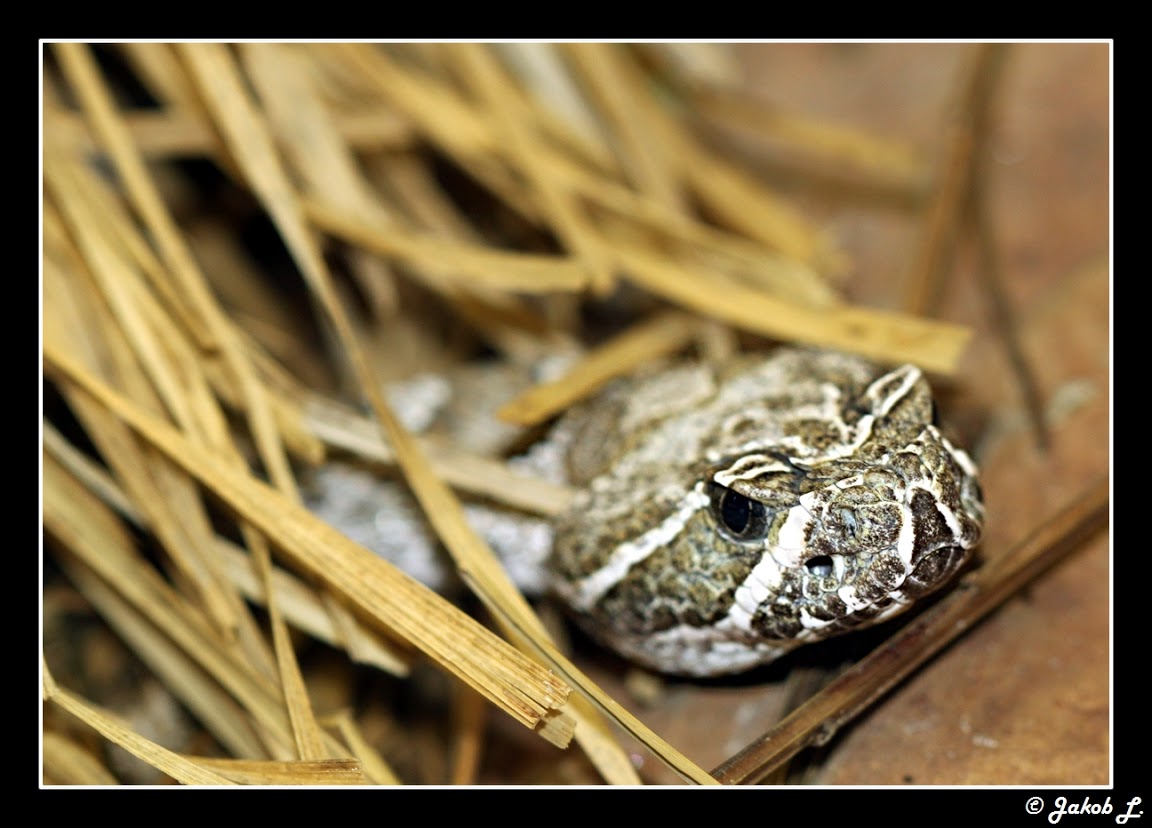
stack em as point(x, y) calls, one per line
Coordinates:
point(726, 514)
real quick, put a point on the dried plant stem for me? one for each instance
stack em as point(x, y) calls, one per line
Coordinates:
point(634, 118)
point(891, 163)
point(213, 332)
point(178, 767)
point(271, 772)
point(172, 133)
point(509, 125)
point(468, 264)
point(978, 212)
point(943, 219)
point(655, 338)
point(248, 139)
point(853, 691)
point(341, 427)
point(470, 717)
point(67, 763)
point(454, 640)
point(887, 336)
point(303, 605)
point(375, 768)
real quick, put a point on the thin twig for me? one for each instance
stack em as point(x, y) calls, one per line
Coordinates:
point(978, 220)
point(967, 133)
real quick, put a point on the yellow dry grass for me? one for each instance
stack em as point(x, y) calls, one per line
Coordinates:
point(195, 390)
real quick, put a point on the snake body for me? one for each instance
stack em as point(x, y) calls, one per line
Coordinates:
point(726, 514)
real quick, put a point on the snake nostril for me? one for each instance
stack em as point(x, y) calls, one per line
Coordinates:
point(819, 565)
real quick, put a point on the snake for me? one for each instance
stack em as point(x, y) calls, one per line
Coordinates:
point(727, 513)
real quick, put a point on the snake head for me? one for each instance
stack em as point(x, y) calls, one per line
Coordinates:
point(811, 494)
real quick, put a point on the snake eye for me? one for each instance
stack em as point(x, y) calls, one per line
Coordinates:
point(742, 518)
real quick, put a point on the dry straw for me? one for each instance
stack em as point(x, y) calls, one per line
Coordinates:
point(196, 390)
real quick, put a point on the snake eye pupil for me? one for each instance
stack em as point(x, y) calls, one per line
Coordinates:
point(744, 518)
point(735, 510)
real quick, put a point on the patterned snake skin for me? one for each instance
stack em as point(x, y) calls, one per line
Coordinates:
point(726, 515)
